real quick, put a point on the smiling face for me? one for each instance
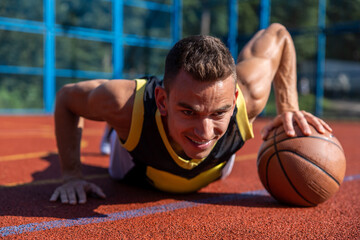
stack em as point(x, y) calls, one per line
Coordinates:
point(196, 114)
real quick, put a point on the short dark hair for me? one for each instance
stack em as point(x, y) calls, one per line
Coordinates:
point(205, 58)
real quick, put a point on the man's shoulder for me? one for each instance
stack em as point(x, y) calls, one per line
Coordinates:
point(122, 89)
point(114, 95)
point(117, 89)
point(151, 80)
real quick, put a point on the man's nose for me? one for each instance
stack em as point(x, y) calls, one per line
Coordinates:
point(204, 130)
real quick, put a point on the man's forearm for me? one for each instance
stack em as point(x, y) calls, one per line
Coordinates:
point(285, 78)
point(68, 130)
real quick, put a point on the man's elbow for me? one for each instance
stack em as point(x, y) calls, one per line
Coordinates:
point(63, 93)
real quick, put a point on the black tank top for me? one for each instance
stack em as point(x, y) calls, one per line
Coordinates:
point(151, 150)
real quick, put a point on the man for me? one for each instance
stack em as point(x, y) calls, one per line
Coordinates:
point(182, 134)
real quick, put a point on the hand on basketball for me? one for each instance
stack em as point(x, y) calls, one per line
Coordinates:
point(301, 118)
point(75, 191)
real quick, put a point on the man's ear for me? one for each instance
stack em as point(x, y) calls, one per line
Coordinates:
point(160, 98)
point(236, 96)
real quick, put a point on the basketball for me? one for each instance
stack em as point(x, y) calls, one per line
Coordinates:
point(301, 170)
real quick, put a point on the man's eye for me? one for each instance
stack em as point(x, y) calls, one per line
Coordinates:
point(187, 112)
point(219, 114)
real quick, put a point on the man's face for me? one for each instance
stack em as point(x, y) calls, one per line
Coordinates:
point(196, 114)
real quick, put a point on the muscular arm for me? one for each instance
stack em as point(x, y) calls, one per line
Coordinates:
point(71, 103)
point(268, 58)
point(100, 100)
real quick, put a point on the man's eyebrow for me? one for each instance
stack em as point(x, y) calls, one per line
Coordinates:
point(224, 108)
point(185, 105)
point(221, 109)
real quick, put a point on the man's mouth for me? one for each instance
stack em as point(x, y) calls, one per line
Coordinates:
point(202, 143)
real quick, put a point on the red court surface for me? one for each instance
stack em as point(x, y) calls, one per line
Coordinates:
point(235, 208)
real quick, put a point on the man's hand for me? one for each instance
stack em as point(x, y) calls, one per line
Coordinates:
point(74, 191)
point(301, 118)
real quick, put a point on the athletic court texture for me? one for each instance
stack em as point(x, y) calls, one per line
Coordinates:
point(235, 208)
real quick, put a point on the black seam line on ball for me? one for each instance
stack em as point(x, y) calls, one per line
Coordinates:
point(267, 166)
point(267, 181)
point(333, 178)
point(287, 177)
point(309, 137)
point(291, 138)
point(316, 137)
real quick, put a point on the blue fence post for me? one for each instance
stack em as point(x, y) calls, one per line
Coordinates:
point(265, 7)
point(264, 22)
point(233, 28)
point(320, 61)
point(118, 49)
point(176, 28)
point(49, 56)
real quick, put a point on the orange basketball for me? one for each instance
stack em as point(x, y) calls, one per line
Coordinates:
point(301, 170)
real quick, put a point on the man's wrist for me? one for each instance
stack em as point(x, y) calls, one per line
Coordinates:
point(67, 177)
point(282, 108)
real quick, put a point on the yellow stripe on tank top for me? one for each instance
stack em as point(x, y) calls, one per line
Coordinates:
point(168, 182)
point(137, 117)
point(245, 127)
point(186, 164)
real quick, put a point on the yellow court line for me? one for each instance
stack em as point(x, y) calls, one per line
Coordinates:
point(42, 132)
point(44, 154)
point(50, 181)
point(246, 157)
point(23, 156)
point(251, 156)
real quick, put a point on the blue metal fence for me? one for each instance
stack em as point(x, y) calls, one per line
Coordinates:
point(118, 39)
point(50, 30)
